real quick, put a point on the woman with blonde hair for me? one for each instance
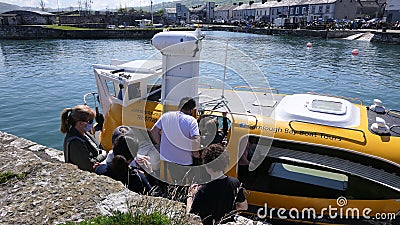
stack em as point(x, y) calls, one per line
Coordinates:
point(80, 148)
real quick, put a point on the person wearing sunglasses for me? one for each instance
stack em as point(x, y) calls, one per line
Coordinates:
point(80, 148)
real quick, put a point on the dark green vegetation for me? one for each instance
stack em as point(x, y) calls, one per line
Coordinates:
point(66, 27)
point(6, 176)
point(119, 218)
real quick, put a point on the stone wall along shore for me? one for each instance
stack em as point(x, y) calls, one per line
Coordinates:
point(54, 192)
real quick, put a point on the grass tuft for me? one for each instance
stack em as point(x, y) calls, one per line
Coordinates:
point(65, 27)
point(127, 218)
point(6, 176)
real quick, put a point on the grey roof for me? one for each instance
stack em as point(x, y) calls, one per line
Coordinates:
point(297, 2)
point(36, 12)
point(8, 15)
point(224, 7)
point(242, 7)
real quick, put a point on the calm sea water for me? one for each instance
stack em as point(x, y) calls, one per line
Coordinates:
point(38, 78)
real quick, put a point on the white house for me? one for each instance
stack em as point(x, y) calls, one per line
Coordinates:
point(262, 11)
point(224, 12)
point(392, 11)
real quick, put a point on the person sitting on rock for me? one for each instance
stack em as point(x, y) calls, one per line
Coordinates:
point(222, 195)
point(129, 167)
point(80, 148)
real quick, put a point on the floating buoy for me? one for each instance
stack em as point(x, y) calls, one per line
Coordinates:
point(309, 45)
point(354, 52)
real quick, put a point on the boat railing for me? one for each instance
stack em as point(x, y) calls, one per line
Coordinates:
point(239, 114)
point(392, 129)
point(206, 85)
point(394, 113)
point(338, 96)
point(236, 88)
point(326, 133)
point(93, 94)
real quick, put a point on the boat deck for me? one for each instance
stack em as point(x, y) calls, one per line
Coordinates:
point(241, 102)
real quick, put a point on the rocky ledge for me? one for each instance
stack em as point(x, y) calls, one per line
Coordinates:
point(53, 192)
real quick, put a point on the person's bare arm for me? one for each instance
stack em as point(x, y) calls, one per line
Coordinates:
point(191, 193)
point(155, 133)
point(242, 205)
point(196, 146)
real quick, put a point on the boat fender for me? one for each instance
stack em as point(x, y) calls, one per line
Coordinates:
point(380, 126)
point(377, 106)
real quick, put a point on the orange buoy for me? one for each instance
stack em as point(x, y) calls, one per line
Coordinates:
point(354, 52)
point(309, 45)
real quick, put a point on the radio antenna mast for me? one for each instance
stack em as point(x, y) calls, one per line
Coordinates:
point(225, 62)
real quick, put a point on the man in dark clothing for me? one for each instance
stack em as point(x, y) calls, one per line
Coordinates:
point(219, 197)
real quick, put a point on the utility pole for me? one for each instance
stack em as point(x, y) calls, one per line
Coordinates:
point(151, 11)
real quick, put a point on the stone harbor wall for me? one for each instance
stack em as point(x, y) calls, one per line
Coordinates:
point(54, 192)
point(39, 32)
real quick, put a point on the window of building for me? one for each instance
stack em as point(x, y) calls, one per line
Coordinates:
point(297, 10)
point(328, 8)
point(291, 11)
point(313, 9)
point(320, 9)
point(304, 10)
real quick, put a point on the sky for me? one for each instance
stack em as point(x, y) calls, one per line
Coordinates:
point(97, 4)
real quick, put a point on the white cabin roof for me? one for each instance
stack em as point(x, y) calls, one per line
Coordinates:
point(319, 109)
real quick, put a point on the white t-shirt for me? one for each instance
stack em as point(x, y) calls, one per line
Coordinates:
point(177, 131)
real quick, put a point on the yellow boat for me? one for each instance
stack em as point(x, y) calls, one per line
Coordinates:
point(313, 158)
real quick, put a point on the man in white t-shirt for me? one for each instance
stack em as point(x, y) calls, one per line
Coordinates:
point(179, 140)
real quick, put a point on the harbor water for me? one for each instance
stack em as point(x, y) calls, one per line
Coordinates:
point(39, 78)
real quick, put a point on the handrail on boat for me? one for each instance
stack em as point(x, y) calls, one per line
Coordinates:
point(394, 131)
point(87, 94)
point(235, 88)
point(394, 113)
point(233, 113)
point(206, 85)
point(337, 96)
point(319, 124)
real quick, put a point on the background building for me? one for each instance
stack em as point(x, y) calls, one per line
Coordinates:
point(223, 13)
point(393, 11)
point(23, 17)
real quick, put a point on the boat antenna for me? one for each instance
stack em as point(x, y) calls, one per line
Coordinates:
point(222, 101)
point(225, 62)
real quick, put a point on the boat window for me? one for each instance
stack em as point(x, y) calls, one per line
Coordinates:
point(154, 89)
point(280, 172)
point(111, 88)
point(324, 106)
point(310, 176)
point(153, 84)
point(134, 90)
